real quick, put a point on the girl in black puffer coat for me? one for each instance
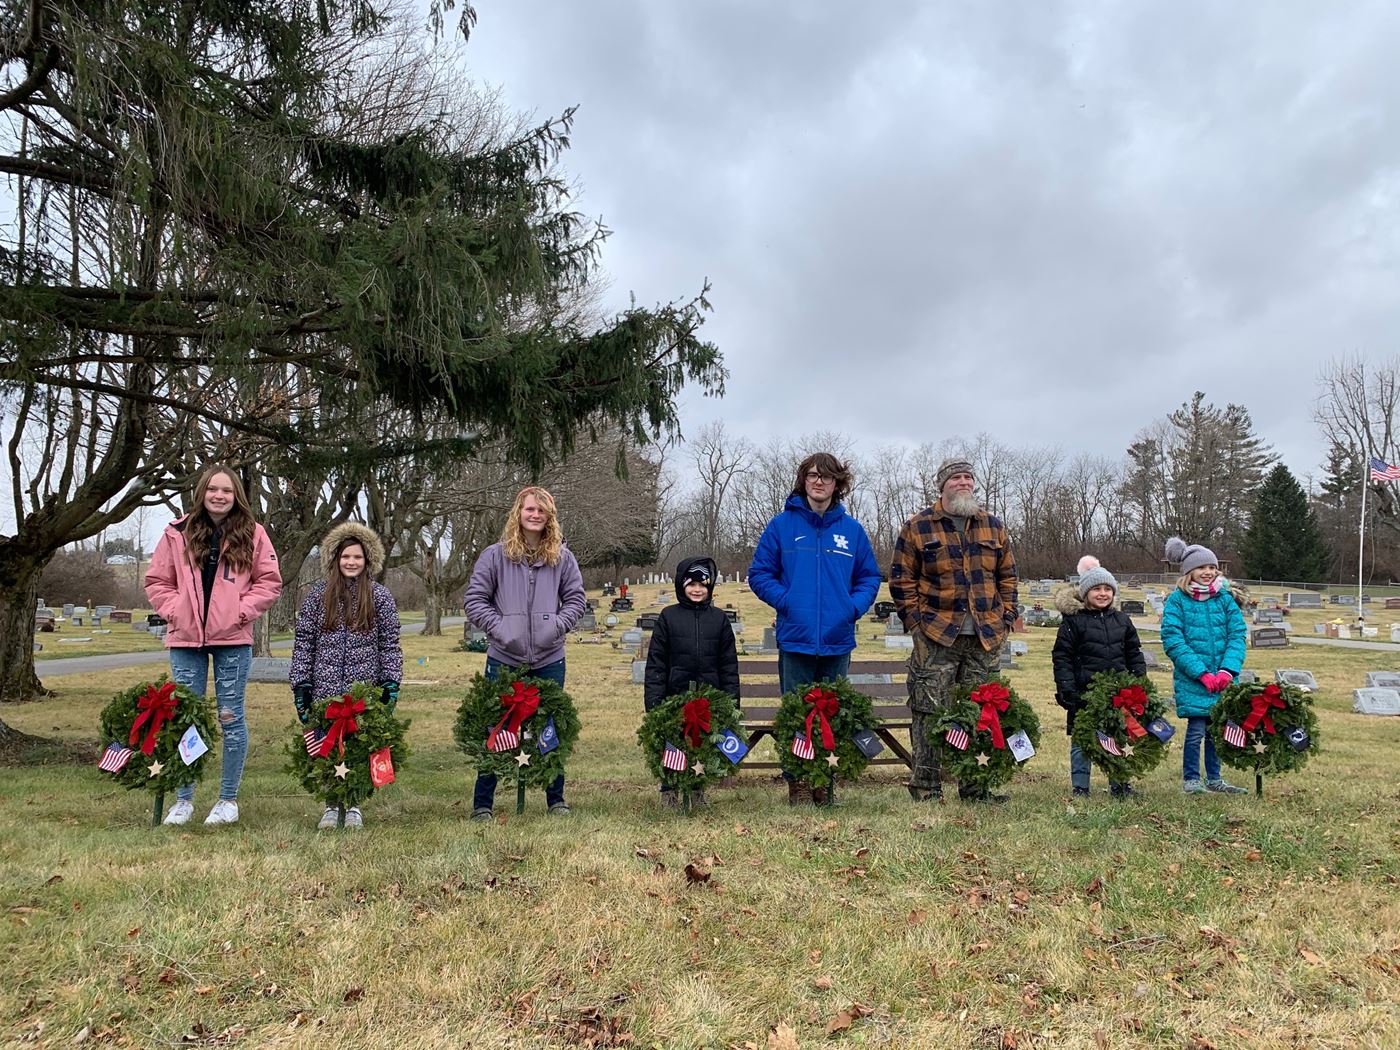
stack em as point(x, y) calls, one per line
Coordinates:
point(1093, 637)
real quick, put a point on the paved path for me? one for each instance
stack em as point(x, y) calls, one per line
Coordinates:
point(1311, 639)
point(113, 661)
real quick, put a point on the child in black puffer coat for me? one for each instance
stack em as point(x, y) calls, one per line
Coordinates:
point(692, 642)
point(1093, 637)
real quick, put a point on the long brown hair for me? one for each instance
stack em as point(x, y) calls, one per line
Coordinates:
point(551, 540)
point(350, 602)
point(237, 527)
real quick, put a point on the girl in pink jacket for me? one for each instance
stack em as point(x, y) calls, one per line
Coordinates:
point(212, 574)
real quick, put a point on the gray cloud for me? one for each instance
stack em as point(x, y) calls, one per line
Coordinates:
point(1052, 222)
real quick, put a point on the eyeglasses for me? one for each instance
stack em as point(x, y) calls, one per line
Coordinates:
point(814, 476)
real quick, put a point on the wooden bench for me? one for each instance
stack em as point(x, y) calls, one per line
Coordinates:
point(759, 682)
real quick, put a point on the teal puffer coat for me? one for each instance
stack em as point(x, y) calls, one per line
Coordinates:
point(1201, 638)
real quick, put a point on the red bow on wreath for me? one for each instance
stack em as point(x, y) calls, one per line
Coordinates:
point(824, 705)
point(695, 719)
point(1272, 696)
point(1132, 701)
point(156, 706)
point(342, 714)
point(994, 698)
point(520, 703)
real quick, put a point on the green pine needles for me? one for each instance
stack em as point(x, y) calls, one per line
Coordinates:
point(710, 712)
point(983, 765)
point(342, 776)
point(170, 710)
point(1113, 697)
point(1271, 717)
point(803, 712)
point(491, 705)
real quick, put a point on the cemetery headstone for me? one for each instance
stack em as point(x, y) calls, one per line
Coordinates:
point(270, 669)
point(1150, 659)
point(1345, 599)
point(1375, 701)
point(155, 620)
point(894, 625)
point(899, 641)
point(609, 590)
point(1319, 628)
point(632, 636)
point(120, 616)
point(139, 626)
point(648, 621)
point(1133, 607)
point(770, 639)
point(731, 614)
point(592, 603)
point(1004, 658)
point(639, 672)
point(1247, 677)
point(1392, 603)
point(1264, 615)
point(1383, 679)
point(77, 620)
point(884, 610)
point(587, 622)
point(1395, 632)
point(1018, 648)
point(621, 605)
point(67, 609)
point(1303, 680)
point(1303, 600)
point(1334, 599)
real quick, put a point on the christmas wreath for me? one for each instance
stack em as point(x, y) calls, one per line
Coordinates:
point(982, 732)
point(818, 732)
point(1264, 728)
point(351, 745)
point(142, 732)
point(1121, 728)
point(683, 738)
point(516, 727)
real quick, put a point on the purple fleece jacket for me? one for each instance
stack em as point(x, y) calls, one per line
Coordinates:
point(525, 610)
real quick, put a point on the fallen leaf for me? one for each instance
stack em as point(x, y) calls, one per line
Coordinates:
point(167, 976)
point(862, 851)
point(133, 931)
point(783, 1037)
point(355, 994)
point(823, 983)
point(1094, 886)
point(741, 830)
point(814, 956)
point(1253, 854)
point(839, 1023)
point(695, 874)
point(53, 879)
point(980, 946)
point(131, 982)
point(918, 916)
point(1310, 956)
point(204, 989)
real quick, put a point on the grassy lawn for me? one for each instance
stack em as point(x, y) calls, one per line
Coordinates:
point(1198, 922)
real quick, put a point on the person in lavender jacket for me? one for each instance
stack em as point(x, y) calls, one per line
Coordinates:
point(347, 631)
point(526, 592)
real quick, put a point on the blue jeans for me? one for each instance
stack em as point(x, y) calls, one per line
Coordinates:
point(1191, 751)
point(484, 794)
point(796, 669)
point(1080, 768)
point(190, 666)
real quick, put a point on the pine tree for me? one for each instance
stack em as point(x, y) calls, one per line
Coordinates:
point(1283, 541)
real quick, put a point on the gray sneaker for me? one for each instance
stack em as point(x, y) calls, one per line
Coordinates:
point(1194, 787)
point(560, 809)
point(353, 818)
point(1220, 787)
point(482, 815)
point(329, 819)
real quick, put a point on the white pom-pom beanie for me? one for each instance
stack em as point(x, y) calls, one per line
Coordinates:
point(1091, 574)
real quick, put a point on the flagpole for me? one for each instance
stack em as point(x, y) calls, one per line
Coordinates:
point(1361, 542)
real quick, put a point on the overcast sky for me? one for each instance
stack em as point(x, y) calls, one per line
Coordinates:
point(1049, 221)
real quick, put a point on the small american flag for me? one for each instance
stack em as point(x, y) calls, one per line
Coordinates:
point(1109, 744)
point(313, 737)
point(673, 758)
point(1383, 471)
point(957, 737)
point(802, 747)
point(505, 741)
point(1234, 735)
point(114, 759)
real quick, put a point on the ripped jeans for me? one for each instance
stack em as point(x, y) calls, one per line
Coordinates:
point(190, 666)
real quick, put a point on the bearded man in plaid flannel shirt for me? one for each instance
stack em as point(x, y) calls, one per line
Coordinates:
point(953, 581)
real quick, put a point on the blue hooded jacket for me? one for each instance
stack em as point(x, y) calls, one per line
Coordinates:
point(819, 572)
point(1201, 638)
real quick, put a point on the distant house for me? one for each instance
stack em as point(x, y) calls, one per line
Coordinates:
point(122, 559)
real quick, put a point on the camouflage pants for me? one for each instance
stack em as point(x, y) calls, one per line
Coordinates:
point(933, 672)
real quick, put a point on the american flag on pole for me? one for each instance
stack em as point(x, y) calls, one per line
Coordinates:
point(505, 741)
point(802, 747)
point(1109, 744)
point(957, 737)
point(1233, 734)
point(114, 759)
point(673, 758)
point(1383, 471)
point(313, 737)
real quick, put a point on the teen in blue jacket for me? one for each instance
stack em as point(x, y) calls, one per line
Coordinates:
point(815, 566)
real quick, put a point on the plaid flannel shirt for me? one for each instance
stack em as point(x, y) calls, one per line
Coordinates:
point(935, 580)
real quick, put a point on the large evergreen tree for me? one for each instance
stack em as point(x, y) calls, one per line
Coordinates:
point(1283, 541)
point(242, 226)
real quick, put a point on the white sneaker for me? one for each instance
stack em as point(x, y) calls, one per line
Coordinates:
point(225, 811)
point(353, 818)
point(180, 813)
point(328, 819)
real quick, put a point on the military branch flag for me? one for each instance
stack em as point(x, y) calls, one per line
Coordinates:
point(673, 758)
point(549, 738)
point(1383, 471)
point(114, 759)
point(868, 742)
point(1161, 729)
point(732, 747)
point(1233, 734)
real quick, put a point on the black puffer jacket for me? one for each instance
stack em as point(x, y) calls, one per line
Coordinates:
point(692, 642)
point(1090, 641)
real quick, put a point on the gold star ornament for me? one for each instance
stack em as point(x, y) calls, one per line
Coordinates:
point(342, 770)
point(1260, 747)
point(699, 769)
point(1127, 750)
point(522, 759)
point(155, 768)
point(983, 759)
point(832, 760)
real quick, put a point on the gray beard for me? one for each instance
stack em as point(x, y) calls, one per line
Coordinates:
point(961, 506)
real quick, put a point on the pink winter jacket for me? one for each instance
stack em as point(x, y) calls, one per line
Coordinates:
point(175, 591)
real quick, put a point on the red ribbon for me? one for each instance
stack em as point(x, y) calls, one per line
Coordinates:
point(1132, 701)
point(156, 706)
point(1272, 696)
point(824, 705)
point(695, 719)
point(994, 698)
point(520, 703)
point(342, 714)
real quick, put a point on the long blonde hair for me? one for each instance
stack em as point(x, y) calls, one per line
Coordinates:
point(551, 539)
point(237, 527)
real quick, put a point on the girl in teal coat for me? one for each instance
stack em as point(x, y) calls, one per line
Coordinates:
point(1203, 635)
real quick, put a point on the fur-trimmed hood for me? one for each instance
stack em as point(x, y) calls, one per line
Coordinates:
point(1067, 601)
point(373, 545)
